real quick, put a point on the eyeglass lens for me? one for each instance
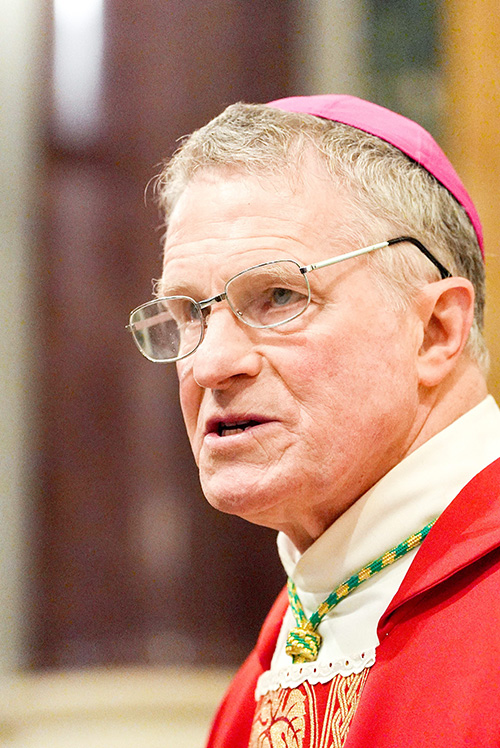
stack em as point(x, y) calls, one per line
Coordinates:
point(270, 294)
point(263, 296)
point(168, 328)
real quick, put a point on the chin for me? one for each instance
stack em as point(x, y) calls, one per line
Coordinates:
point(256, 506)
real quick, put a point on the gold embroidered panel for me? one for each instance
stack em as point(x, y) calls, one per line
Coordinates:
point(308, 716)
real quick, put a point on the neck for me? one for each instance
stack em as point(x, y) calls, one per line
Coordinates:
point(440, 406)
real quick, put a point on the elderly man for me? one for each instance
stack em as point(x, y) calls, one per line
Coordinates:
point(322, 296)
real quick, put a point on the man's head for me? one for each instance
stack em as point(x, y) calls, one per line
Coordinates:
point(290, 424)
point(388, 187)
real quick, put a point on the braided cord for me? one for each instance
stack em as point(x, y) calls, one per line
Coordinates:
point(295, 604)
point(304, 641)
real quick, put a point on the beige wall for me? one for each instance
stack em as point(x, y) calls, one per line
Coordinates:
point(114, 708)
point(472, 68)
point(19, 39)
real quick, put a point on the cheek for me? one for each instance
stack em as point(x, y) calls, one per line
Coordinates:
point(318, 362)
point(307, 367)
point(313, 378)
point(350, 373)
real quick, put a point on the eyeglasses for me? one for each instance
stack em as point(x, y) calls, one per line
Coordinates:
point(264, 296)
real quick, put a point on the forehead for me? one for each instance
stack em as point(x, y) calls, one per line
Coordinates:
point(225, 221)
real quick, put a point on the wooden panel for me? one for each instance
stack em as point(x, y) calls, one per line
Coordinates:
point(133, 566)
point(472, 53)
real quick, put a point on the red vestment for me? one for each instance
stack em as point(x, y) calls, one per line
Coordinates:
point(436, 679)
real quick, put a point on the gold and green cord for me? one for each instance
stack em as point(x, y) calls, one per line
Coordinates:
point(304, 641)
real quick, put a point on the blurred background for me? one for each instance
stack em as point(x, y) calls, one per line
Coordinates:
point(123, 595)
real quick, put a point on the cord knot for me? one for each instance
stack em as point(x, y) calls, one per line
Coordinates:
point(303, 644)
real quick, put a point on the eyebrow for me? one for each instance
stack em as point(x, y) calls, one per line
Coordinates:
point(170, 289)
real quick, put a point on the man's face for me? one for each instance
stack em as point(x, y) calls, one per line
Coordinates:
point(332, 396)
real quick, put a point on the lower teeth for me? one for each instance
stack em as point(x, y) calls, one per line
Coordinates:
point(230, 432)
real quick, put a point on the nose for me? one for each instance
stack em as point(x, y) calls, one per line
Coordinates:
point(227, 351)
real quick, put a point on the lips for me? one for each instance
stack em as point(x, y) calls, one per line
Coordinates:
point(228, 429)
point(233, 425)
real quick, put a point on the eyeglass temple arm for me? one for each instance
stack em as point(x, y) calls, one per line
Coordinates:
point(444, 272)
point(365, 250)
point(340, 258)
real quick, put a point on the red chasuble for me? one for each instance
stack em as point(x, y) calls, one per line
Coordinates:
point(436, 679)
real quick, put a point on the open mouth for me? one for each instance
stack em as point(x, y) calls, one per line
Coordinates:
point(230, 429)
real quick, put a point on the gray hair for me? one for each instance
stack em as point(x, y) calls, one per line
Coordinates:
point(389, 192)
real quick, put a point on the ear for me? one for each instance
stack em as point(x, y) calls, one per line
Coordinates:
point(446, 310)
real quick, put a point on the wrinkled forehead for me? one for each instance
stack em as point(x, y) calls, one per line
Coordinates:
point(296, 169)
point(232, 201)
point(225, 222)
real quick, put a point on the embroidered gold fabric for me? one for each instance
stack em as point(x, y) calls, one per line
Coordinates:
point(308, 716)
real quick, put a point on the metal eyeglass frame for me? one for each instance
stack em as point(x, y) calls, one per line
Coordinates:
point(204, 305)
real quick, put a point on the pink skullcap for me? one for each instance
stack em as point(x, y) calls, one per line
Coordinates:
point(395, 129)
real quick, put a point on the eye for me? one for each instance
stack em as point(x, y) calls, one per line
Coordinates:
point(283, 296)
point(272, 305)
point(270, 294)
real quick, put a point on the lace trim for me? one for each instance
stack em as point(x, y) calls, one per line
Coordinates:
point(312, 672)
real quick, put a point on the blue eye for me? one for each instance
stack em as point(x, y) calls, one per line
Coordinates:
point(269, 294)
point(280, 296)
point(271, 304)
point(284, 296)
